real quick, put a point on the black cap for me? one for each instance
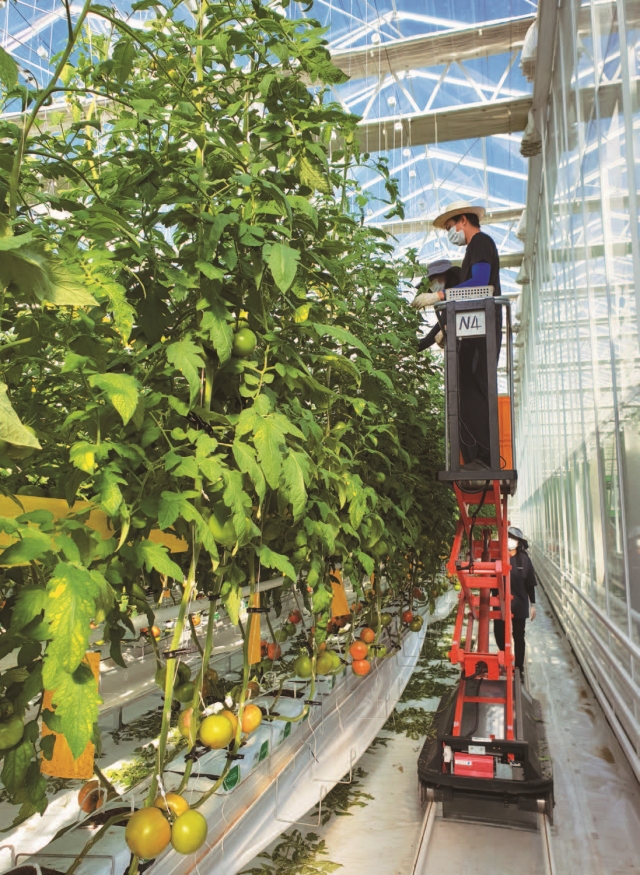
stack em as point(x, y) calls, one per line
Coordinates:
point(516, 533)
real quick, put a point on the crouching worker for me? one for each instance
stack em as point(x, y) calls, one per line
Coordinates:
point(523, 597)
point(441, 275)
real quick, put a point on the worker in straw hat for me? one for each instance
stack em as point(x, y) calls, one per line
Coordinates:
point(480, 267)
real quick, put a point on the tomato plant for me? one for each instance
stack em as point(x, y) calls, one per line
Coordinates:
point(198, 336)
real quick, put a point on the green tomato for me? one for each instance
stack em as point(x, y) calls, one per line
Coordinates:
point(271, 530)
point(337, 663)
point(184, 673)
point(324, 662)
point(302, 666)
point(244, 343)
point(380, 550)
point(30, 489)
point(184, 692)
point(281, 636)
point(290, 629)
point(385, 619)
point(11, 732)
point(221, 525)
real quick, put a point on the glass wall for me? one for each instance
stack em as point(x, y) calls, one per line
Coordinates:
point(578, 405)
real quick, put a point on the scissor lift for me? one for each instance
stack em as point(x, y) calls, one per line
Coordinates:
point(488, 740)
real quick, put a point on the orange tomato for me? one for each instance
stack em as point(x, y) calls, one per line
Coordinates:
point(367, 635)
point(358, 650)
point(361, 666)
point(274, 651)
point(231, 717)
point(251, 718)
point(91, 796)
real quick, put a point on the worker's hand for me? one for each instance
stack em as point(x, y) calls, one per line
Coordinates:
point(440, 339)
point(426, 299)
point(532, 612)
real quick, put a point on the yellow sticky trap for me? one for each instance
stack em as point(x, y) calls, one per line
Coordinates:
point(98, 520)
point(339, 603)
point(254, 631)
point(62, 763)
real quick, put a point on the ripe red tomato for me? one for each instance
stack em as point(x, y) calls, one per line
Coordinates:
point(358, 650)
point(417, 592)
point(407, 616)
point(295, 617)
point(361, 666)
point(274, 651)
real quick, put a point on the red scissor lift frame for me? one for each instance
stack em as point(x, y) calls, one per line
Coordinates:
point(477, 606)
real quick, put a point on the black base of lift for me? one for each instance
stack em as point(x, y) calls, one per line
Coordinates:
point(530, 785)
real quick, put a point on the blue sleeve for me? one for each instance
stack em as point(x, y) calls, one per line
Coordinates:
point(480, 273)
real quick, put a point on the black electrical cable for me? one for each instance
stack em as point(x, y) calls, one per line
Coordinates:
point(474, 516)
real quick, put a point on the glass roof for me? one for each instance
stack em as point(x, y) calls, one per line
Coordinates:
point(423, 75)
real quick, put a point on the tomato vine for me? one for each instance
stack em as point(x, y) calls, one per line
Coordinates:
point(185, 186)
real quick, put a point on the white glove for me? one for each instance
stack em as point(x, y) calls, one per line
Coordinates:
point(440, 339)
point(532, 612)
point(426, 299)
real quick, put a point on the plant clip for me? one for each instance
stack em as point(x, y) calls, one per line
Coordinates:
point(258, 610)
point(194, 419)
point(193, 755)
point(172, 654)
point(312, 702)
point(235, 756)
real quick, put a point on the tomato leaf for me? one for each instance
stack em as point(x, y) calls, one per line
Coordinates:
point(283, 263)
point(76, 700)
point(16, 763)
point(156, 556)
point(121, 390)
point(268, 439)
point(71, 605)
point(186, 357)
point(295, 471)
point(246, 460)
point(32, 545)
point(11, 429)
point(271, 559)
point(8, 69)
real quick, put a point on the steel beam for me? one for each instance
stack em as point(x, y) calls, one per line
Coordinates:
point(459, 44)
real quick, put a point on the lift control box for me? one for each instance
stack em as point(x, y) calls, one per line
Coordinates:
point(473, 765)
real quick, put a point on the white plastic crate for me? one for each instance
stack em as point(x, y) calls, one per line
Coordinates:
point(472, 293)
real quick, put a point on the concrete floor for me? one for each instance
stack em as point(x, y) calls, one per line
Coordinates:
point(597, 815)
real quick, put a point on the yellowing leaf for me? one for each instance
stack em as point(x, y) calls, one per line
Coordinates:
point(82, 455)
point(70, 607)
point(302, 313)
point(121, 390)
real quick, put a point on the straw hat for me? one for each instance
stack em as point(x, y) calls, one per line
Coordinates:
point(456, 209)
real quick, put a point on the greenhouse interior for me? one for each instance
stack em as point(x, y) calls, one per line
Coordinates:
point(319, 430)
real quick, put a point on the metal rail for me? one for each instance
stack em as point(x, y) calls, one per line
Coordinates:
point(421, 864)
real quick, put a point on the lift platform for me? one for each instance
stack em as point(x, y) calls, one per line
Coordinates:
point(487, 758)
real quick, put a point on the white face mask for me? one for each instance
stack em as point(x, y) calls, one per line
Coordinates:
point(513, 543)
point(456, 237)
point(437, 286)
